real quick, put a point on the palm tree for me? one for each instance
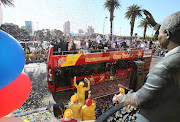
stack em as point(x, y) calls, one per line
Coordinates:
point(111, 5)
point(7, 2)
point(132, 13)
point(144, 24)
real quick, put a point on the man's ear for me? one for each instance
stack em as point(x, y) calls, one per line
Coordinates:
point(167, 34)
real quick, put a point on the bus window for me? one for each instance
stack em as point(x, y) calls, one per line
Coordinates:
point(50, 76)
point(61, 77)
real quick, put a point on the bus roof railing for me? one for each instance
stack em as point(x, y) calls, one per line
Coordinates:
point(84, 51)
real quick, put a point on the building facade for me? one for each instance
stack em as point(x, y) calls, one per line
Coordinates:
point(29, 27)
point(90, 30)
point(67, 27)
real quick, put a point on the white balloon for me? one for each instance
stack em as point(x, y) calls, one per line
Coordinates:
point(1, 14)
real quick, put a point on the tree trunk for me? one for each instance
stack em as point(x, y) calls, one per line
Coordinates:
point(132, 28)
point(111, 31)
point(111, 21)
point(145, 28)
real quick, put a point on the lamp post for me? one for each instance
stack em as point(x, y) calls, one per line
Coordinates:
point(103, 26)
point(120, 31)
point(37, 25)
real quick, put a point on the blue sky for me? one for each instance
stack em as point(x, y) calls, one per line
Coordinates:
point(83, 13)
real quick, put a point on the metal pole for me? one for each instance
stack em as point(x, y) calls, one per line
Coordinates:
point(103, 26)
point(37, 25)
point(120, 31)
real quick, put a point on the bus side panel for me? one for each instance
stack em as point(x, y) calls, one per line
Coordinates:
point(147, 59)
point(50, 75)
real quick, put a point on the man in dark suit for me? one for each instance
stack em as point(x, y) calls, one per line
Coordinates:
point(159, 98)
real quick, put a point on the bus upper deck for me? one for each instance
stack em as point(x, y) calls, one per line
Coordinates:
point(97, 65)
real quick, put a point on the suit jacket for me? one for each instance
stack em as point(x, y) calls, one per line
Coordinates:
point(159, 97)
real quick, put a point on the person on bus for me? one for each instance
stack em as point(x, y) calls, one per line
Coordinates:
point(83, 44)
point(75, 106)
point(88, 110)
point(89, 43)
point(73, 48)
point(100, 45)
point(56, 46)
point(159, 98)
point(81, 89)
point(93, 45)
point(63, 46)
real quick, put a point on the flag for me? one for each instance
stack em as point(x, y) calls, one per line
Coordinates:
point(72, 33)
point(98, 38)
point(107, 36)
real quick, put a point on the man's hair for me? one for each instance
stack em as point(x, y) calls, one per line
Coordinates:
point(172, 24)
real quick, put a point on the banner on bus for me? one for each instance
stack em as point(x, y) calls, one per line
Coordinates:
point(78, 59)
point(123, 73)
point(94, 79)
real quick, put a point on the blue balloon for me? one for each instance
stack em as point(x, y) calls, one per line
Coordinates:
point(12, 59)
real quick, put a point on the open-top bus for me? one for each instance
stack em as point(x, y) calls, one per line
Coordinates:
point(105, 70)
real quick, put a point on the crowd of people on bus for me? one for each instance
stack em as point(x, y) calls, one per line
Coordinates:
point(65, 46)
point(70, 46)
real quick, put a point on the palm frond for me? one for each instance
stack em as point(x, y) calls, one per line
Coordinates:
point(133, 11)
point(110, 5)
point(9, 3)
point(144, 22)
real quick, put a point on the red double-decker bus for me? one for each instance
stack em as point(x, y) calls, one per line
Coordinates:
point(105, 70)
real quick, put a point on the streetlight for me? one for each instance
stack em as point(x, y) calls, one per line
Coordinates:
point(120, 31)
point(103, 26)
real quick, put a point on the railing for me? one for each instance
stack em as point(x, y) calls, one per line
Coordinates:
point(125, 115)
point(110, 112)
point(86, 51)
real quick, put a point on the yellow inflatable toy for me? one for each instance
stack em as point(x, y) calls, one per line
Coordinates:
point(75, 106)
point(81, 89)
point(88, 110)
point(67, 116)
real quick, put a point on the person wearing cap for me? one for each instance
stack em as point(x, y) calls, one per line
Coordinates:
point(75, 106)
point(159, 98)
point(68, 116)
point(81, 89)
point(88, 110)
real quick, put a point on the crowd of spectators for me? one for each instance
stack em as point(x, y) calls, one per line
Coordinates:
point(103, 104)
point(35, 50)
point(65, 46)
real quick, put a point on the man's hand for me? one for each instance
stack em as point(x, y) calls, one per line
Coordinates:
point(149, 17)
point(115, 99)
point(86, 80)
point(132, 101)
point(118, 98)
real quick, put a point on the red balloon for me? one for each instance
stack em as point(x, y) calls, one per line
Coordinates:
point(15, 94)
